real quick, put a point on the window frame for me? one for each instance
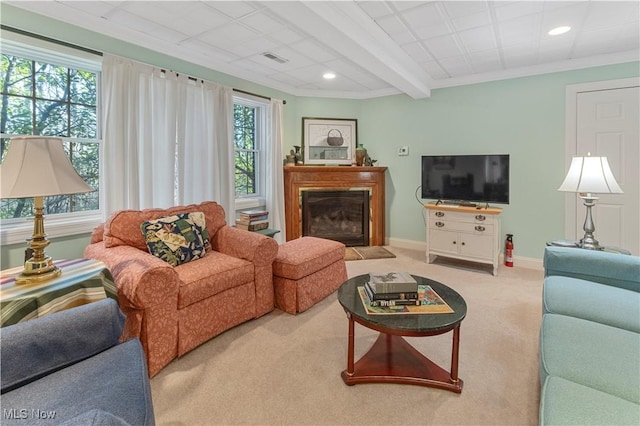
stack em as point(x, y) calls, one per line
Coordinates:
point(17, 230)
point(262, 119)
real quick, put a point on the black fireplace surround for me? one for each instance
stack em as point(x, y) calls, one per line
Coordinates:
point(339, 215)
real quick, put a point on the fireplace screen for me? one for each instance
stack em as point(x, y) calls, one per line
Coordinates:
point(340, 215)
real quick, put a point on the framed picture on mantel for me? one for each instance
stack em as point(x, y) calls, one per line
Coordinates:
point(329, 140)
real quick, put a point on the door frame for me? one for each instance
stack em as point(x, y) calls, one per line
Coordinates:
point(571, 117)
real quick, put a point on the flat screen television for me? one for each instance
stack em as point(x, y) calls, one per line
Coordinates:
point(466, 178)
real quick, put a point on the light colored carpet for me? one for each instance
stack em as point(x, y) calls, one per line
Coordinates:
point(367, 253)
point(285, 370)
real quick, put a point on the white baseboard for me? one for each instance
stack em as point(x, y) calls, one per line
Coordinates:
point(522, 262)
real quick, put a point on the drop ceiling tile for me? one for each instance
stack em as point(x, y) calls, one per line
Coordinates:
point(286, 36)
point(374, 9)
point(435, 70)
point(443, 47)
point(424, 16)
point(601, 14)
point(456, 9)
point(131, 21)
point(482, 62)
point(228, 36)
point(403, 38)
point(168, 35)
point(344, 66)
point(96, 8)
point(436, 30)
point(309, 73)
point(234, 9)
point(456, 66)
point(391, 25)
point(417, 52)
point(506, 11)
point(405, 5)
point(261, 23)
point(478, 39)
point(201, 49)
point(313, 50)
point(525, 29)
point(294, 59)
point(471, 21)
point(572, 16)
point(253, 47)
point(520, 56)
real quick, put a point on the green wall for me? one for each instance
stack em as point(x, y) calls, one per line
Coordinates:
point(523, 117)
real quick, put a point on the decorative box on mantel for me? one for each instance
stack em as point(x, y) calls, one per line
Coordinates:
point(365, 180)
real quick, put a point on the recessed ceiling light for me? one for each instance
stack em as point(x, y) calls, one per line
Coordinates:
point(328, 75)
point(559, 30)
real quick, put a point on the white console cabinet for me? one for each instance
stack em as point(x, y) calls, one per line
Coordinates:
point(465, 233)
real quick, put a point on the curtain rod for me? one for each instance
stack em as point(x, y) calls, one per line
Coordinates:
point(50, 40)
point(255, 94)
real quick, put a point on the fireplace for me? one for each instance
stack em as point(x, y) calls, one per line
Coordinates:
point(339, 215)
point(298, 180)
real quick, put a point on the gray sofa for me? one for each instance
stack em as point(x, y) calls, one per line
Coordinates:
point(70, 368)
point(590, 338)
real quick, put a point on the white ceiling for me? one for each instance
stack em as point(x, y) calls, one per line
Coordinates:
point(376, 48)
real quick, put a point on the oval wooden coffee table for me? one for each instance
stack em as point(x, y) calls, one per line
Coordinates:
point(392, 359)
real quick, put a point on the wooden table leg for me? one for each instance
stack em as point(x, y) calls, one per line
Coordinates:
point(350, 353)
point(454, 354)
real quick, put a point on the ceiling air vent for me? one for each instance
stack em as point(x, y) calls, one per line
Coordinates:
point(274, 57)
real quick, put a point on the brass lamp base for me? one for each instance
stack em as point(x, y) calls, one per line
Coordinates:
point(35, 272)
point(39, 267)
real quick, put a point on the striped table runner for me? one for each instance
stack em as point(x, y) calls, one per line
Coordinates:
point(82, 281)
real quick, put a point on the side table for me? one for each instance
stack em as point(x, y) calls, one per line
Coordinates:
point(82, 281)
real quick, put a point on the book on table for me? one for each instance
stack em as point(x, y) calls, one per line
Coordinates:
point(392, 282)
point(390, 299)
point(254, 226)
point(389, 296)
point(251, 215)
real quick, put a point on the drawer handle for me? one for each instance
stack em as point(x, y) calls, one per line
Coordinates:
point(481, 217)
point(439, 224)
point(480, 228)
point(439, 214)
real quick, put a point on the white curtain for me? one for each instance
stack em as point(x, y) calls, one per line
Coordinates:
point(167, 138)
point(274, 175)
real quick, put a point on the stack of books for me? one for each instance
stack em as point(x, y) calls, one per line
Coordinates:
point(391, 289)
point(253, 220)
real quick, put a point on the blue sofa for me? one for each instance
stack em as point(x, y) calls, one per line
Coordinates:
point(70, 368)
point(590, 338)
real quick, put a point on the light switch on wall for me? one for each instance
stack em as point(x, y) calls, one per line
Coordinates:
point(403, 150)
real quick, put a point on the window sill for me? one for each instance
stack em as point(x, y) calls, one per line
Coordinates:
point(249, 203)
point(17, 231)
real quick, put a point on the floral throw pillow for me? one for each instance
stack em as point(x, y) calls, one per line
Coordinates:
point(176, 239)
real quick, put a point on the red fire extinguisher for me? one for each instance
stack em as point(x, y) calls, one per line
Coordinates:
point(508, 251)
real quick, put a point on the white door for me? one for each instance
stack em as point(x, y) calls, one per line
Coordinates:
point(607, 124)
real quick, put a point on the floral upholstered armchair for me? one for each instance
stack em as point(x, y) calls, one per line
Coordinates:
point(174, 303)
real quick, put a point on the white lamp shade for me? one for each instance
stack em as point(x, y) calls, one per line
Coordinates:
point(37, 166)
point(590, 175)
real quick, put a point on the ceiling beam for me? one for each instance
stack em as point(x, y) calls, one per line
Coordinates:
point(349, 31)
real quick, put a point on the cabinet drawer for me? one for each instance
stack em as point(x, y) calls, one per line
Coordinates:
point(451, 225)
point(478, 217)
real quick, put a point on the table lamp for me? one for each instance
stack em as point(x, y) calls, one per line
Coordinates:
point(589, 176)
point(37, 166)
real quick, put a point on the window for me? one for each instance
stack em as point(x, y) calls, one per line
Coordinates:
point(249, 118)
point(51, 94)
